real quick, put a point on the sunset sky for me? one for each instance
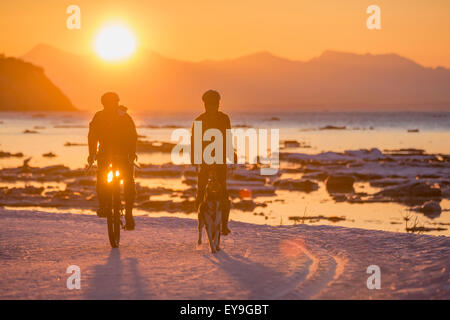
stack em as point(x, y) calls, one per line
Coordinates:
point(210, 29)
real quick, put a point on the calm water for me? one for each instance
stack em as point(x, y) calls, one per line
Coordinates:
point(363, 130)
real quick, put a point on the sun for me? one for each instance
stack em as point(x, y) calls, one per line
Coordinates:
point(115, 42)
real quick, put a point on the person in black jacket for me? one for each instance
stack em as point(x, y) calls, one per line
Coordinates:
point(212, 118)
point(113, 137)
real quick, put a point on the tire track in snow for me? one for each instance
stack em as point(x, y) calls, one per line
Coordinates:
point(323, 270)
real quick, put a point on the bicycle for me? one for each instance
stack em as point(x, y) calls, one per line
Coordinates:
point(113, 204)
point(112, 198)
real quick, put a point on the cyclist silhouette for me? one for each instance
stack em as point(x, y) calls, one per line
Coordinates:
point(112, 138)
point(212, 118)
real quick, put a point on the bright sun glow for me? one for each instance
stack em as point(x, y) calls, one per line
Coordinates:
point(115, 42)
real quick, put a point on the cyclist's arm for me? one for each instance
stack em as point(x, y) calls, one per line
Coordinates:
point(229, 142)
point(133, 139)
point(93, 137)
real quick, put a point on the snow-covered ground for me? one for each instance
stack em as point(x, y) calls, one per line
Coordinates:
point(160, 260)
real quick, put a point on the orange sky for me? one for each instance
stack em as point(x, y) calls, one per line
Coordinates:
point(211, 29)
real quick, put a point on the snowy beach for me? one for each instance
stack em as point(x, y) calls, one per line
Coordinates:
point(160, 260)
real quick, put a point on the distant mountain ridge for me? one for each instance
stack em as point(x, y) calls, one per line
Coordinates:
point(256, 82)
point(24, 87)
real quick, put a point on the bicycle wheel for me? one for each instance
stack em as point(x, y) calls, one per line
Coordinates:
point(117, 226)
point(112, 229)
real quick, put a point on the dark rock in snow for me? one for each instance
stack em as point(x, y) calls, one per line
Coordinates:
point(297, 185)
point(49, 155)
point(340, 184)
point(430, 208)
point(4, 154)
point(247, 205)
point(413, 190)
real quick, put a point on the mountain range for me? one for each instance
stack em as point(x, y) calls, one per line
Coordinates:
point(256, 82)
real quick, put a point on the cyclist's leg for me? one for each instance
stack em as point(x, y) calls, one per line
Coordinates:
point(222, 179)
point(202, 180)
point(130, 194)
point(102, 174)
point(129, 186)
